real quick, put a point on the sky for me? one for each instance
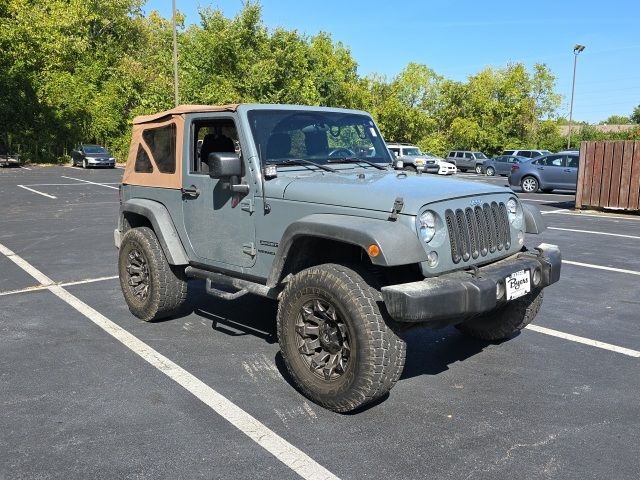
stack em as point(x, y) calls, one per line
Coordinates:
point(459, 38)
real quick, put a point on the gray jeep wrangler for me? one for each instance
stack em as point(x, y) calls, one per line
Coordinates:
point(301, 205)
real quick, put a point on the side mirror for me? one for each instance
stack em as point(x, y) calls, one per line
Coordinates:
point(224, 165)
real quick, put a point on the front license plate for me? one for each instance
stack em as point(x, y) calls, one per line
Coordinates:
point(518, 284)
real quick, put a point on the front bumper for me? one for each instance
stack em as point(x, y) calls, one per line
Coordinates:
point(453, 297)
point(101, 163)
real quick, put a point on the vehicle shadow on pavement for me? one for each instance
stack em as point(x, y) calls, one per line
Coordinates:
point(248, 315)
point(430, 352)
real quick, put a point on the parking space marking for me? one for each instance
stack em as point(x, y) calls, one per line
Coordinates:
point(566, 211)
point(36, 288)
point(93, 183)
point(601, 267)
point(584, 340)
point(595, 233)
point(289, 455)
point(64, 184)
point(38, 192)
point(25, 168)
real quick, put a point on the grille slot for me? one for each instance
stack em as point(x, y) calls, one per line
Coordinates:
point(476, 232)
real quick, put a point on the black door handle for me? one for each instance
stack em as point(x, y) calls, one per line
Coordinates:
point(567, 170)
point(192, 191)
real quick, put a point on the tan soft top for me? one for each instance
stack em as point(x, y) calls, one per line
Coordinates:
point(174, 117)
point(182, 109)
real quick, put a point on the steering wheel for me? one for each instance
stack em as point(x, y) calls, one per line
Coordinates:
point(341, 152)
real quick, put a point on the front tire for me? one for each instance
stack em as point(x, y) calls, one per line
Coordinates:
point(529, 184)
point(503, 322)
point(85, 164)
point(410, 168)
point(478, 169)
point(152, 288)
point(491, 171)
point(334, 340)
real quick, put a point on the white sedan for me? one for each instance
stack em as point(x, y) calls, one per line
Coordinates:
point(446, 168)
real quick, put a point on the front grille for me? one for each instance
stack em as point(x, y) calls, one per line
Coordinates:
point(478, 231)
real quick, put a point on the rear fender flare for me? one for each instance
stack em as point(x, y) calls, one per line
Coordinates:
point(162, 224)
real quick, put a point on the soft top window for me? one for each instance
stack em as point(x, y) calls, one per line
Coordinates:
point(162, 145)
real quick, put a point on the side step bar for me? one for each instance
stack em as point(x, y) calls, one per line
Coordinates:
point(242, 286)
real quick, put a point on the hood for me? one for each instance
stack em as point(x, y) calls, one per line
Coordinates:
point(375, 190)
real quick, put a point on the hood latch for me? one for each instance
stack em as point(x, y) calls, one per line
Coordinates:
point(398, 205)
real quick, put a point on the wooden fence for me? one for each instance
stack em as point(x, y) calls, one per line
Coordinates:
point(609, 175)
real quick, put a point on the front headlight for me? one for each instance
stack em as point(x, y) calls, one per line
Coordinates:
point(514, 212)
point(427, 226)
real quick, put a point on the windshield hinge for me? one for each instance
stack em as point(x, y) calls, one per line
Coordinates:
point(249, 249)
point(398, 205)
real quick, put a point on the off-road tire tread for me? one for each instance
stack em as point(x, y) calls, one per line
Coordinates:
point(504, 322)
point(384, 351)
point(168, 288)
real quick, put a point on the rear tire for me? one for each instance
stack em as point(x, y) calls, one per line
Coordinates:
point(503, 322)
point(152, 288)
point(337, 344)
point(529, 184)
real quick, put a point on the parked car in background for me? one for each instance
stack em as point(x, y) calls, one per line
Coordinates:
point(556, 170)
point(501, 165)
point(446, 168)
point(92, 156)
point(9, 158)
point(467, 160)
point(412, 158)
point(526, 153)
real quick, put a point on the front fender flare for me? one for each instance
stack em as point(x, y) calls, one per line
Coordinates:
point(398, 244)
point(162, 224)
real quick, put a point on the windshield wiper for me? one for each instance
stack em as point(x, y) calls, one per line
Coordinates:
point(298, 161)
point(356, 160)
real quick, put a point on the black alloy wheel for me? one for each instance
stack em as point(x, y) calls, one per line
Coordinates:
point(323, 339)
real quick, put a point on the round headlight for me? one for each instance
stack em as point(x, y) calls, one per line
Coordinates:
point(427, 226)
point(512, 210)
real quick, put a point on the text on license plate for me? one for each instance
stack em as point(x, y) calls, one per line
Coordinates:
point(518, 284)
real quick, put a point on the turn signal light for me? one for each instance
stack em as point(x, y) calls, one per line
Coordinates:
point(373, 250)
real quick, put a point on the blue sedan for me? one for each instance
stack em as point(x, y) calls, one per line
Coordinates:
point(501, 165)
point(546, 173)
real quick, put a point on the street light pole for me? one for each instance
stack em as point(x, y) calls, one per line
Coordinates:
point(175, 53)
point(576, 50)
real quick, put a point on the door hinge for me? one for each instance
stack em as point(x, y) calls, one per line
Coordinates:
point(247, 206)
point(249, 249)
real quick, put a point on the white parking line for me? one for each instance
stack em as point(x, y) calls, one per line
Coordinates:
point(292, 457)
point(93, 183)
point(64, 184)
point(594, 233)
point(36, 191)
point(37, 288)
point(566, 211)
point(25, 168)
point(601, 267)
point(584, 341)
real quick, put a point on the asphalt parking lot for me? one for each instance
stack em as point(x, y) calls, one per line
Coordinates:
point(87, 390)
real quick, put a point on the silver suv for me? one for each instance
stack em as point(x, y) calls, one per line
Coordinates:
point(526, 153)
point(467, 160)
point(412, 158)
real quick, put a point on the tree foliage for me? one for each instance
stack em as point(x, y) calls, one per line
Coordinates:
point(77, 71)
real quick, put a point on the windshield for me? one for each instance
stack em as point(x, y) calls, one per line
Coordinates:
point(317, 136)
point(412, 152)
point(93, 149)
point(479, 155)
